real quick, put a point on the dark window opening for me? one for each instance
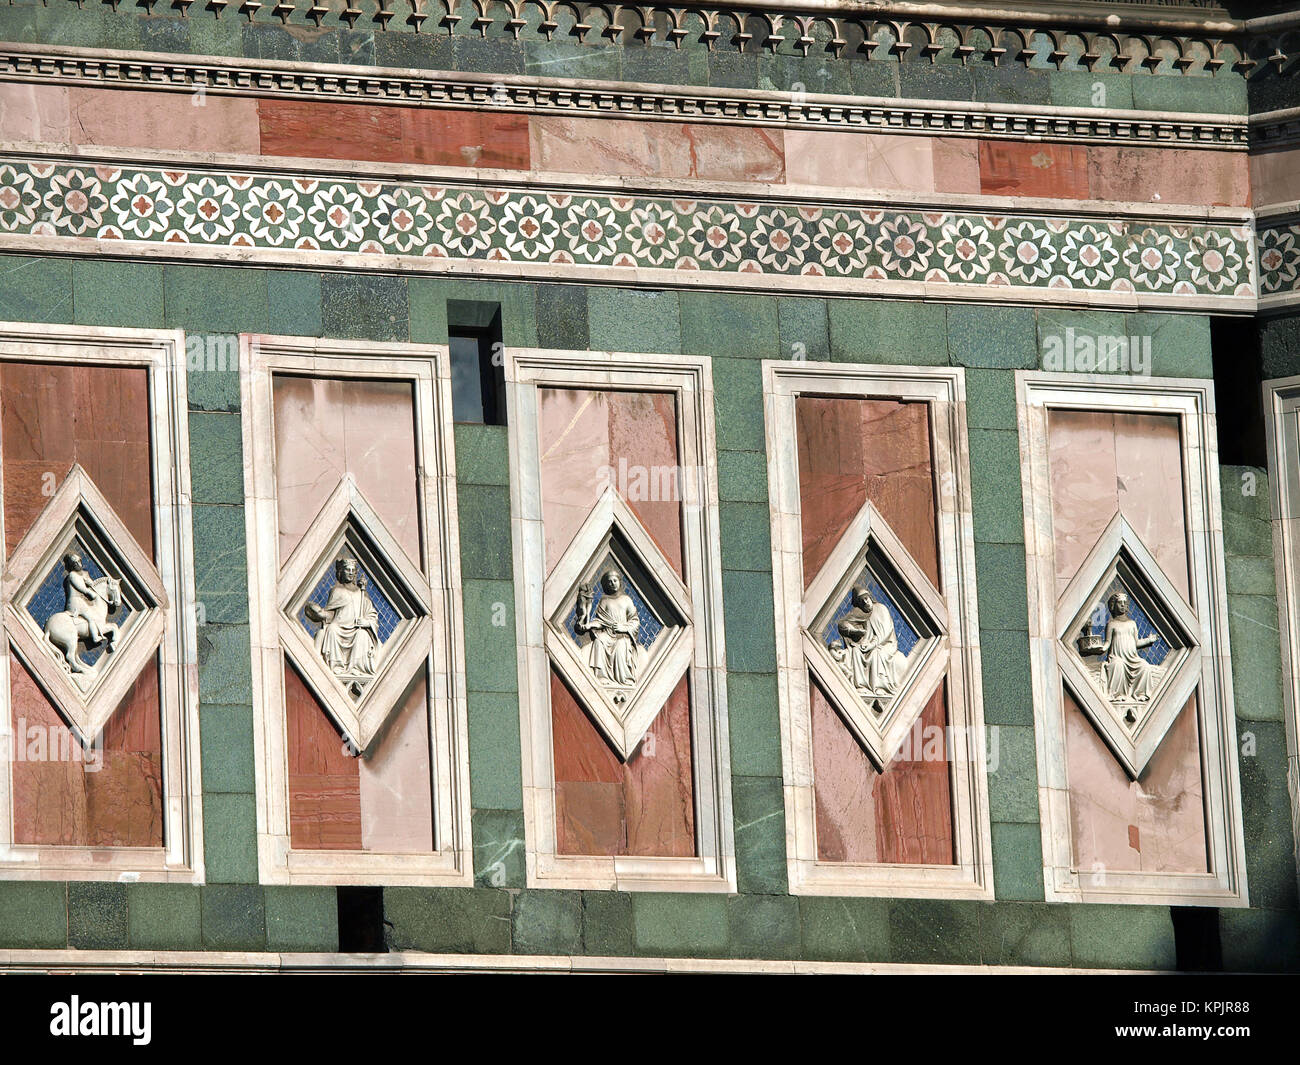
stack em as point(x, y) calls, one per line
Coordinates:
point(361, 920)
point(1238, 400)
point(478, 376)
point(1196, 938)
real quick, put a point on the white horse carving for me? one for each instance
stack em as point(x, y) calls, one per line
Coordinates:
point(65, 630)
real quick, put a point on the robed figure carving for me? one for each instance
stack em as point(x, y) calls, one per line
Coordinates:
point(613, 624)
point(1127, 676)
point(349, 626)
point(868, 650)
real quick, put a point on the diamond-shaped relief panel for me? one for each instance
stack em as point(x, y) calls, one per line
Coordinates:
point(1128, 645)
point(355, 614)
point(874, 633)
point(618, 626)
point(84, 628)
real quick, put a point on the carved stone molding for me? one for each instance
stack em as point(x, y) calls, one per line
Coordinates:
point(935, 628)
point(566, 96)
point(1090, 37)
point(88, 628)
point(359, 617)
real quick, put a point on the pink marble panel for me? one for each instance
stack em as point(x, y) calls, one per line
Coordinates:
point(628, 148)
point(1169, 175)
point(903, 815)
point(956, 164)
point(326, 427)
point(859, 160)
point(1274, 176)
point(590, 440)
point(126, 118)
point(395, 780)
point(1155, 824)
point(34, 113)
point(1104, 463)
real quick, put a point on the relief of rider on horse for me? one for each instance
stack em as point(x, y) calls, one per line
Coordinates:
point(88, 604)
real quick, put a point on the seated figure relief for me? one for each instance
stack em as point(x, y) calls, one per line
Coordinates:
point(348, 637)
point(867, 650)
point(614, 655)
point(1126, 676)
point(87, 606)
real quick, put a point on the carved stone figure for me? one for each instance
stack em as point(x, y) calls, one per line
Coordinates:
point(614, 654)
point(87, 605)
point(349, 627)
point(868, 651)
point(1126, 675)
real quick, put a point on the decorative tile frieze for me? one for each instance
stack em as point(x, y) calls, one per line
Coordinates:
point(526, 94)
point(687, 239)
point(1278, 250)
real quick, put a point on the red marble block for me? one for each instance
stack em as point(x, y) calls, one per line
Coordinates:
point(903, 815)
point(851, 450)
point(54, 415)
point(1016, 168)
point(603, 806)
point(60, 798)
point(324, 779)
point(386, 134)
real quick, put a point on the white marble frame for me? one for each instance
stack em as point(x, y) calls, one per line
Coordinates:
point(690, 380)
point(1192, 401)
point(943, 389)
point(162, 353)
point(427, 368)
point(1282, 431)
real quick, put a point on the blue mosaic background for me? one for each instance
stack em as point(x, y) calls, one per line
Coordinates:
point(906, 636)
point(49, 600)
point(1158, 651)
point(650, 625)
point(389, 618)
